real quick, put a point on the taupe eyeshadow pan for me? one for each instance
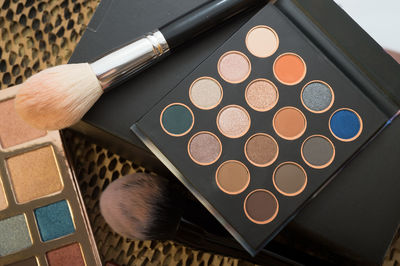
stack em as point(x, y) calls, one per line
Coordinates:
point(204, 148)
point(261, 149)
point(290, 179)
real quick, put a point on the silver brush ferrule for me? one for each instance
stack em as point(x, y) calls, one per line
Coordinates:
point(118, 65)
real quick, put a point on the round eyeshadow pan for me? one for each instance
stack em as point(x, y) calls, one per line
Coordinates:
point(205, 93)
point(262, 41)
point(289, 178)
point(261, 95)
point(234, 67)
point(233, 121)
point(289, 69)
point(289, 123)
point(318, 151)
point(345, 124)
point(177, 119)
point(204, 148)
point(261, 206)
point(317, 96)
point(232, 177)
point(261, 150)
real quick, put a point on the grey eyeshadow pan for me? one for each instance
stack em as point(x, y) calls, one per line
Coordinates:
point(317, 96)
point(14, 235)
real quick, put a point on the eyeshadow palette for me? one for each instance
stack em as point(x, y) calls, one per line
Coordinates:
point(42, 217)
point(261, 126)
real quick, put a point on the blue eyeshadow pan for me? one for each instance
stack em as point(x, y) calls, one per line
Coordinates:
point(345, 124)
point(54, 221)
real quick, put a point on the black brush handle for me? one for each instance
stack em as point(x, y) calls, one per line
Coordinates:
point(204, 18)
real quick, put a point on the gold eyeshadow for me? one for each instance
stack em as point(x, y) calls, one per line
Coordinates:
point(41, 209)
point(288, 120)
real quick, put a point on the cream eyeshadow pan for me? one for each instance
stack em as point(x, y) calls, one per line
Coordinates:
point(41, 209)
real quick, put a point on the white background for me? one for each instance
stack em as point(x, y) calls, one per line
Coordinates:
point(380, 18)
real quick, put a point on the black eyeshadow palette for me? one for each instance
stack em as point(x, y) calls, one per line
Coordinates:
point(261, 126)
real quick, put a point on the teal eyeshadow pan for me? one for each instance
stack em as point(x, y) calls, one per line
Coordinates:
point(177, 119)
point(54, 221)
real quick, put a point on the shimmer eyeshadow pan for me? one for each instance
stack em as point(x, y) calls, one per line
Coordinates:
point(204, 148)
point(234, 67)
point(264, 123)
point(66, 256)
point(14, 235)
point(54, 220)
point(41, 208)
point(317, 96)
point(262, 95)
point(205, 93)
point(233, 121)
point(44, 175)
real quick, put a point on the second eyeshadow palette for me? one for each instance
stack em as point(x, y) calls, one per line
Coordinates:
point(260, 127)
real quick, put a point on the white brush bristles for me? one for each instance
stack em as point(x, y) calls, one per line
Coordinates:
point(58, 97)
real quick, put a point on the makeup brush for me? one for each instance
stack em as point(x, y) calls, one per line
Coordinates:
point(58, 97)
point(142, 206)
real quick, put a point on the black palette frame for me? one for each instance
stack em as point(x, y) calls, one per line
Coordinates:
point(172, 151)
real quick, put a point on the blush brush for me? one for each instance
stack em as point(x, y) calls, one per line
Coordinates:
point(58, 97)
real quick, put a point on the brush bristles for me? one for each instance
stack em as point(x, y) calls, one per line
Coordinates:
point(141, 206)
point(58, 97)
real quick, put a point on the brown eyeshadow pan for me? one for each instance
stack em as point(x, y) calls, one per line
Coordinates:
point(261, 150)
point(34, 174)
point(261, 206)
point(204, 148)
point(13, 130)
point(232, 177)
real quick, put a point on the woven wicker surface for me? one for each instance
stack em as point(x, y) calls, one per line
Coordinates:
point(37, 34)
